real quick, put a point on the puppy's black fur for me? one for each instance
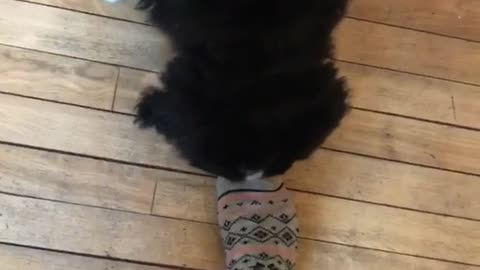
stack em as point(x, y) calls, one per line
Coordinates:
point(252, 88)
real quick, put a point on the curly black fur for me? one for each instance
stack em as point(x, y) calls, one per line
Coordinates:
point(252, 87)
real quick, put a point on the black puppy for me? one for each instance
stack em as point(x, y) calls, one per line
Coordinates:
point(252, 88)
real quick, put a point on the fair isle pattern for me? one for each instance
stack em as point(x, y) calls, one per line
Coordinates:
point(260, 262)
point(259, 230)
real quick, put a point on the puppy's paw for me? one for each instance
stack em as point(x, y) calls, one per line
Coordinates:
point(145, 116)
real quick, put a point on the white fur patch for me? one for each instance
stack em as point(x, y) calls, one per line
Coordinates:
point(254, 176)
point(112, 1)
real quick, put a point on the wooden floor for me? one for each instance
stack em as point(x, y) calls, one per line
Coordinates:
point(397, 187)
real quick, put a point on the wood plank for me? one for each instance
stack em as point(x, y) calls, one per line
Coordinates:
point(124, 9)
point(109, 233)
point(372, 88)
point(414, 96)
point(388, 228)
point(343, 221)
point(416, 141)
point(152, 239)
point(408, 140)
point(81, 35)
point(145, 48)
point(113, 136)
point(315, 255)
point(57, 78)
point(18, 258)
point(385, 182)
point(456, 18)
point(83, 131)
point(112, 185)
point(408, 50)
point(361, 132)
point(77, 180)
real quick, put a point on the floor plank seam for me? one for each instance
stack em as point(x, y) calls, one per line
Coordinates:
point(406, 72)
point(140, 165)
point(352, 17)
point(421, 119)
point(154, 197)
point(86, 13)
point(397, 161)
point(352, 107)
point(158, 72)
point(394, 252)
point(213, 223)
point(62, 103)
point(85, 255)
point(108, 209)
point(303, 238)
point(72, 203)
point(76, 57)
point(115, 90)
point(411, 29)
point(383, 205)
point(209, 176)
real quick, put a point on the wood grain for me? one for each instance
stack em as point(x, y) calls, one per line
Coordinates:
point(109, 233)
point(372, 88)
point(157, 240)
point(385, 182)
point(83, 131)
point(389, 229)
point(143, 47)
point(409, 51)
point(408, 140)
point(343, 221)
point(395, 137)
point(77, 180)
point(316, 255)
point(81, 35)
point(114, 136)
point(124, 9)
point(414, 96)
point(456, 18)
point(56, 78)
point(19, 258)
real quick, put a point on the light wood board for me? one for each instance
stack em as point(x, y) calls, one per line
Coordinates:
point(408, 51)
point(343, 221)
point(371, 88)
point(414, 96)
point(75, 179)
point(20, 258)
point(408, 140)
point(124, 9)
point(109, 233)
point(456, 18)
point(56, 78)
point(142, 46)
point(150, 239)
point(114, 136)
point(81, 35)
point(83, 131)
point(386, 182)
